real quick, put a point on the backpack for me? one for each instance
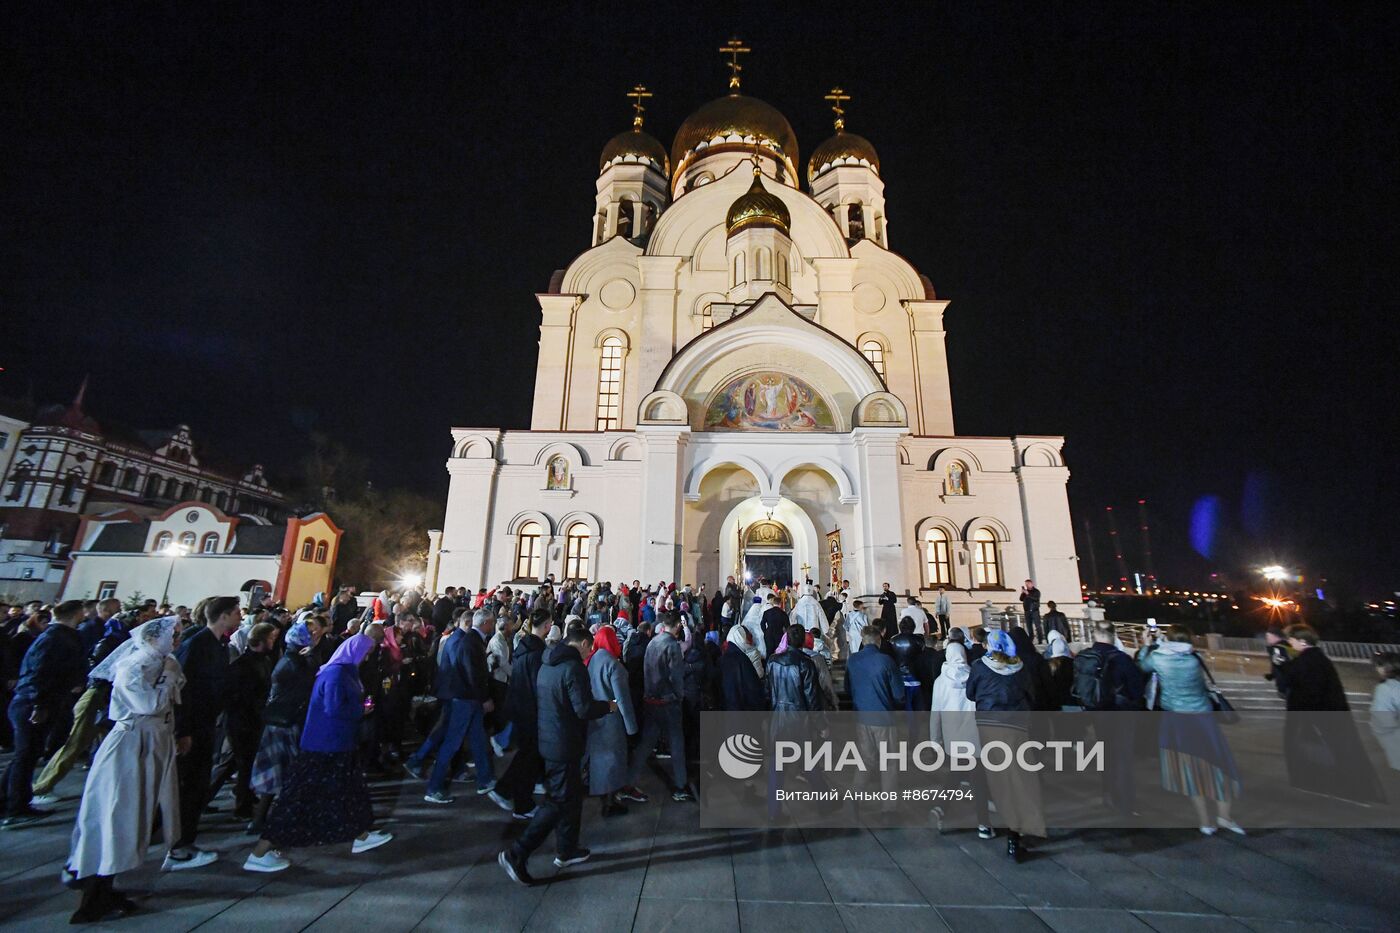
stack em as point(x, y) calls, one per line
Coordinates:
point(1089, 675)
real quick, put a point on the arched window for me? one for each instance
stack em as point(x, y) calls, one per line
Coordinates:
point(164, 540)
point(209, 544)
point(649, 220)
point(321, 550)
point(874, 351)
point(152, 486)
point(69, 493)
point(187, 541)
point(609, 414)
point(855, 221)
point(187, 491)
point(308, 549)
point(602, 227)
point(106, 473)
point(738, 277)
point(762, 264)
point(707, 318)
point(986, 559)
point(624, 218)
point(939, 569)
point(782, 268)
point(529, 551)
point(220, 498)
point(18, 481)
point(576, 548)
point(129, 479)
point(172, 488)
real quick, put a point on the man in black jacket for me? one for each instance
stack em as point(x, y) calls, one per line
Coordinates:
point(773, 623)
point(515, 789)
point(792, 676)
point(462, 686)
point(53, 671)
point(443, 608)
point(565, 705)
point(908, 646)
point(204, 660)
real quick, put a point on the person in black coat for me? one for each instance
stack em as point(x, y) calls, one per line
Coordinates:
point(908, 650)
point(774, 623)
point(1321, 746)
point(889, 613)
point(565, 705)
point(792, 677)
point(250, 680)
point(204, 659)
point(1037, 669)
point(515, 789)
point(741, 684)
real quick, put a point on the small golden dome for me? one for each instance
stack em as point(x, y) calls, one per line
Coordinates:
point(757, 208)
point(738, 116)
point(842, 149)
point(635, 146)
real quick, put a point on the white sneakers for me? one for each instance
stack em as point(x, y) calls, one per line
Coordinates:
point(486, 788)
point(270, 861)
point(1231, 825)
point(197, 859)
point(373, 841)
point(44, 800)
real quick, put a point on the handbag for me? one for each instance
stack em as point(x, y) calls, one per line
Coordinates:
point(1219, 701)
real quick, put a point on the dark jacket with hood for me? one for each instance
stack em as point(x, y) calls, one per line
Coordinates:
point(521, 708)
point(566, 703)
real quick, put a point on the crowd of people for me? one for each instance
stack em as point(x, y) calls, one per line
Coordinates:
point(583, 685)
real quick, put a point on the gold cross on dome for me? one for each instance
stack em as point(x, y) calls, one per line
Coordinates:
point(734, 48)
point(638, 93)
point(837, 96)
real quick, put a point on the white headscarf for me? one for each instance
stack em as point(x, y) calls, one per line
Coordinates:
point(1056, 646)
point(155, 638)
point(740, 637)
point(950, 689)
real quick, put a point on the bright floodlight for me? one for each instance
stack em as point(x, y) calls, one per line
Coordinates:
point(411, 580)
point(1274, 572)
point(176, 550)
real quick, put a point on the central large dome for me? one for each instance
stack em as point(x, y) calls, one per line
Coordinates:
point(734, 122)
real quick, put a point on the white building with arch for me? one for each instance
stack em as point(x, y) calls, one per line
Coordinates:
point(740, 375)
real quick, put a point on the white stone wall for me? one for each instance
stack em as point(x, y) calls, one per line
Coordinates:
point(194, 577)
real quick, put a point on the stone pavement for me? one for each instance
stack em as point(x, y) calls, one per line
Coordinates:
point(655, 869)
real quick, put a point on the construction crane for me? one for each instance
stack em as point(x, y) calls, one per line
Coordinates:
point(1146, 547)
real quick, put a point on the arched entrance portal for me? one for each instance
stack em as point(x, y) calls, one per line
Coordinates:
point(777, 542)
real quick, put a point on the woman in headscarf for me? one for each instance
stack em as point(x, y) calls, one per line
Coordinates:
point(325, 799)
point(1037, 670)
point(1060, 662)
point(741, 673)
point(954, 719)
point(607, 737)
point(1000, 686)
point(283, 716)
point(133, 776)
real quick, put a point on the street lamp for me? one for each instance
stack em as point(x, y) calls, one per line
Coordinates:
point(411, 580)
point(174, 552)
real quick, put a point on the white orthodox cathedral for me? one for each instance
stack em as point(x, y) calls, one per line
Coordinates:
point(740, 376)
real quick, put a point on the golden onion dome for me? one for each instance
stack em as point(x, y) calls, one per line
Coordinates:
point(635, 146)
point(735, 122)
point(842, 149)
point(757, 208)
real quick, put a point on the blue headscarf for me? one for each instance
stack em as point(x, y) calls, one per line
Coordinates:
point(1001, 642)
point(298, 636)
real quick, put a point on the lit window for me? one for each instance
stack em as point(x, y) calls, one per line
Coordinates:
point(939, 567)
point(308, 549)
point(210, 544)
point(576, 546)
point(321, 550)
point(528, 552)
point(70, 488)
point(986, 559)
point(610, 385)
point(164, 540)
point(187, 541)
point(874, 351)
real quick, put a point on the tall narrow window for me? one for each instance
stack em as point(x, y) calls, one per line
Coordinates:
point(939, 567)
point(321, 550)
point(707, 318)
point(187, 541)
point(985, 558)
point(107, 473)
point(164, 540)
point(130, 478)
point(874, 351)
point(18, 481)
point(624, 218)
point(762, 261)
point(152, 486)
point(610, 385)
point(172, 488)
point(209, 544)
point(782, 268)
point(738, 278)
point(576, 547)
point(308, 549)
point(529, 551)
point(69, 495)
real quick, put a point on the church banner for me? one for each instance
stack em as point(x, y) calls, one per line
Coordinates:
point(833, 550)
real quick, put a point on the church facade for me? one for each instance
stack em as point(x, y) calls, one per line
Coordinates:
point(740, 376)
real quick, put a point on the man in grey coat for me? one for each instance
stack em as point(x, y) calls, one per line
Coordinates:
point(663, 690)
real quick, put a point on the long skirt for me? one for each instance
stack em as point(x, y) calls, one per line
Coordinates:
point(324, 801)
point(132, 779)
point(279, 746)
point(1195, 758)
point(1016, 792)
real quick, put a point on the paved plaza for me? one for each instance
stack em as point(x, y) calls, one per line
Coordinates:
point(655, 869)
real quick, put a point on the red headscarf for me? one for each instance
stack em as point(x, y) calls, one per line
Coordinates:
point(605, 639)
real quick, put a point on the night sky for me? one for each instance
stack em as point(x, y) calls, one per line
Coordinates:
point(1168, 233)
